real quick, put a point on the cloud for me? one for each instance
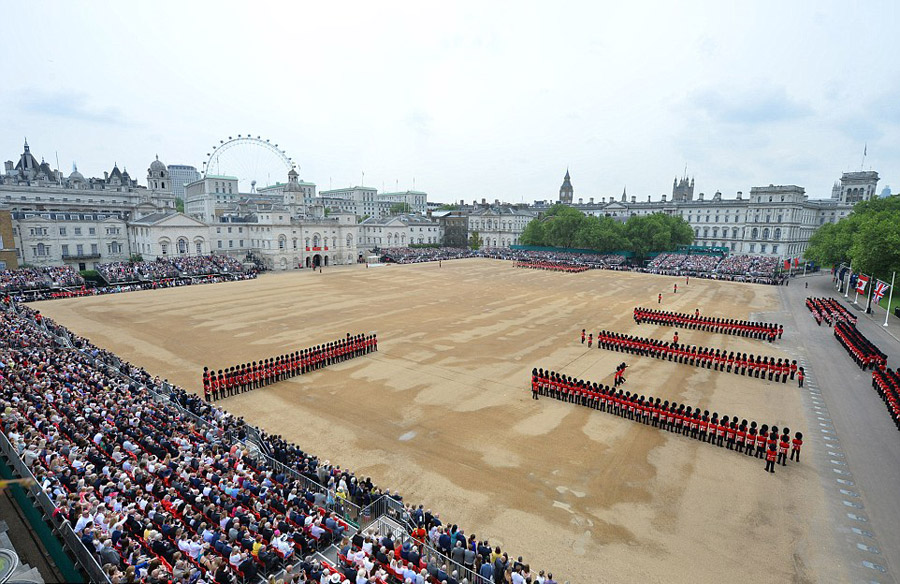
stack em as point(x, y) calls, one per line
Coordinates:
point(68, 105)
point(762, 106)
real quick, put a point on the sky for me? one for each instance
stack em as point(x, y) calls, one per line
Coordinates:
point(466, 100)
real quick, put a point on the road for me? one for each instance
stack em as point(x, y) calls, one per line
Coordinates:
point(857, 446)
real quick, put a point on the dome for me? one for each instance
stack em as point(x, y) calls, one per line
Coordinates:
point(157, 166)
point(76, 176)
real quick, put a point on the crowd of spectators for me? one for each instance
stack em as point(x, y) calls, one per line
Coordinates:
point(760, 266)
point(415, 255)
point(166, 268)
point(39, 278)
point(161, 486)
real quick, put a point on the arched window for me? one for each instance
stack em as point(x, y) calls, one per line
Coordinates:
point(777, 233)
point(754, 233)
point(349, 240)
point(199, 247)
point(295, 245)
point(307, 242)
point(705, 232)
point(282, 241)
point(316, 240)
point(766, 233)
point(389, 235)
point(164, 248)
point(182, 246)
point(734, 233)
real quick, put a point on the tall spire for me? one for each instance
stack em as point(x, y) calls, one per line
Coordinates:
point(27, 148)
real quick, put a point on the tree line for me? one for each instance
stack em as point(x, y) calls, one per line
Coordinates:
point(563, 226)
point(869, 238)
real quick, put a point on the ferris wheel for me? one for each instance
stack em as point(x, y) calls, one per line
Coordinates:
point(256, 162)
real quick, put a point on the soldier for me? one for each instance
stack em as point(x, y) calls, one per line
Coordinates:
point(207, 391)
point(535, 384)
point(761, 441)
point(770, 459)
point(796, 443)
point(582, 336)
point(659, 299)
point(590, 340)
point(800, 376)
point(675, 288)
point(675, 338)
point(751, 439)
point(793, 369)
point(783, 446)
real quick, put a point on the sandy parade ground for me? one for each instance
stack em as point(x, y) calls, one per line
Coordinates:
point(443, 411)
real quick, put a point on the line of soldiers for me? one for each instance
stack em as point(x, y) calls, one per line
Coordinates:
point(778, 370)
point(861, 349)
point(763, 442)
point(887, 383)
point(240, 378)
point(829, 310)
point(725, 326)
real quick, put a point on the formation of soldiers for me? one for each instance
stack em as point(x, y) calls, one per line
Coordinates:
point(861, 349)
point(763, 442)
point(725, 326)
point(829, 310)
point(248, 376)
point(887, 383)
point(554, 266)
point(760, 367)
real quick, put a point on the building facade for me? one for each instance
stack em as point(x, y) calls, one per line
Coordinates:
point(181, 175)
point(776, 220)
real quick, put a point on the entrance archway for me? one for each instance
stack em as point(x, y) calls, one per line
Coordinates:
point(308, 262)
point(317, 261)
point(326, 260)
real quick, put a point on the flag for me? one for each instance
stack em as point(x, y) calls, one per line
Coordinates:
point(881, 288)
point(861, 282)
point(787, 264)
point(796, 262)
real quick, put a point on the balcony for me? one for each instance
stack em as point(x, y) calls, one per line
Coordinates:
point(81, 256)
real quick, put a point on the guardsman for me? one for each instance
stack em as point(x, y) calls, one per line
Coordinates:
point(800, 376)
point(590, 340)
point(796, 443)
point(659, 299)
point(582, 336)
point(793, 369)
point(675, 338)
point(207, 390)
point(770, 459)
point(535, 384)
point(783, 446)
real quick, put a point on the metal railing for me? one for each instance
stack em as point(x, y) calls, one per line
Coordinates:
point(83, 557)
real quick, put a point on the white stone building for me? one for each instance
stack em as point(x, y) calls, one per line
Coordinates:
point(776, 220)
point(500, 225)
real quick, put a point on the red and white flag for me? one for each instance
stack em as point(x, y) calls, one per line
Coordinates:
point(796, 262)
point(881, 288)
point(861, 282)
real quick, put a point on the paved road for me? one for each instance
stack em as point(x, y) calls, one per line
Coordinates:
point(855, 445)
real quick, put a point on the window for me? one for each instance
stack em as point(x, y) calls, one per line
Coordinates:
point(230, 243)
point(62, 231)
point(754, 233)
point(79, 249)
point(765, 233)
point(65, 250)
point(762, 248)
point(219, 244)
point(41, 250)
point(92, 231)
point(164, 248)
point(774, 249)
point(777, 233)
point(94, 249)
point(199, 247)
point(752, 247)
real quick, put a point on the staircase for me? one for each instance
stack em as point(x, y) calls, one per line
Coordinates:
point(11, 571)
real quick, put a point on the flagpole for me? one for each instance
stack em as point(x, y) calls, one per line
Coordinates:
point(847, 288)
point(890, 297)
point(856, 298)
point(869, 297)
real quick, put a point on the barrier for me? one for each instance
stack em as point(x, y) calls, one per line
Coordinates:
point(83, 557)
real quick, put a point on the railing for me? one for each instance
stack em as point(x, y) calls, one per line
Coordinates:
point(429, 553)
point(70, 539)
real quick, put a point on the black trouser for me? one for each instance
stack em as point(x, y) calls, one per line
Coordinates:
point(770, 466)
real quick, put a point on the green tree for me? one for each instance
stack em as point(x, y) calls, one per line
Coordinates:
point(656, 232)
point(179, 204)
point(475, 241)
point(533, 234)
point(446, 207)
point(398, 208)
point(869, 238)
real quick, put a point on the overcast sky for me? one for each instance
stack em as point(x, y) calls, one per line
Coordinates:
point(472, 100)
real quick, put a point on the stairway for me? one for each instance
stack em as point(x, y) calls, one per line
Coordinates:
point(11, 571)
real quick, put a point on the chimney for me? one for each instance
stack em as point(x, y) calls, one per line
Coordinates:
point(648, 198)
point(663, 198)
point(484, 201)
point(105, 175)
point(592, 198)
point(701, 196)
point(9, 165)
point(580, 201)
point(462, 202)
point(633, 199)
point(739, 195)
